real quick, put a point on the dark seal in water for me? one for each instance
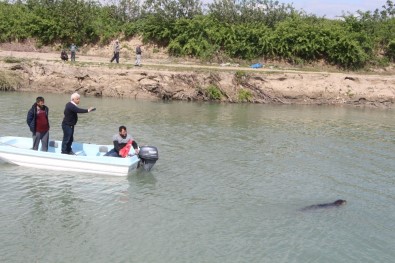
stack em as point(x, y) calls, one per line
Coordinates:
point(337, 203)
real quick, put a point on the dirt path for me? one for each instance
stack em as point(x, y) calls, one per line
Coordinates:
point(99, 60)
point(166, 78)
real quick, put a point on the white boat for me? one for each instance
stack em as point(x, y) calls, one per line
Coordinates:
point(88, 158)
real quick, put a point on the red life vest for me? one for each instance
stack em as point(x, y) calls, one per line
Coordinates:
point(125, 150)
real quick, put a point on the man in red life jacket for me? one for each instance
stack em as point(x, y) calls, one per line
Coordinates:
point(122, 142)
point(37, 119)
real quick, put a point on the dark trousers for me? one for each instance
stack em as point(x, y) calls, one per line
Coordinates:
point(72, 55)
point(68, 138)
point(116, 57)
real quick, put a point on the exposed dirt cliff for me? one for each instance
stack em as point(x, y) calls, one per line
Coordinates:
point(166, 79)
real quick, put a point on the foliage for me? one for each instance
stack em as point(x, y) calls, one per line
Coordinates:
point(268, 12)
point(12, 60)
point(158, 30)
point(194, 37)
point(9, 82)
point(127, 10)
point(15, 22)
point(243, 41)
point(231, 29)
point(244, 95)
point(213, 92)
point(241, 76)
point(391, 50)
point(173, 9)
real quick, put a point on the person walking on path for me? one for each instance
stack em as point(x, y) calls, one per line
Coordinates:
point(138, 56)
point(70, 119)
point(73, 49)
point(116, 52)
point(37, 119)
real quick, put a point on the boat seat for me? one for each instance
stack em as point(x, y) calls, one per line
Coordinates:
point(103, 149)
point(53, 144)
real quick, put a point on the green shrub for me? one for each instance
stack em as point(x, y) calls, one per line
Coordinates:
point(347, 53)
point(391, 50)
point(9, 82)
point(213, 92)
point(241, 76)
point(12, 60)
point(244, 95)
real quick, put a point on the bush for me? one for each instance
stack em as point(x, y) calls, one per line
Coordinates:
point(213, 92)
point(241, 76)
point(12, 60)
point(244, 95)
point(9, 82)
point(347, 53)
point(390, 52)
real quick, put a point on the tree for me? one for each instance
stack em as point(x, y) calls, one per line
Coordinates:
point(126, 10)
point(268, 12)
point(171, 9)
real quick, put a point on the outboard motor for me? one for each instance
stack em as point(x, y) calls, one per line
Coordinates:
point(148, 157)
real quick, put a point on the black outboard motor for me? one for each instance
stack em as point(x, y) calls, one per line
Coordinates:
point(148, 157)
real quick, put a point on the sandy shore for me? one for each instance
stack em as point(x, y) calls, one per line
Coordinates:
point(167, 79)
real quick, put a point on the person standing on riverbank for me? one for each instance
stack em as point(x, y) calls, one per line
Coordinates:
point(37, 119)
point(138, 56)
point(73, 49)
point(116, 52)
point(70, 119)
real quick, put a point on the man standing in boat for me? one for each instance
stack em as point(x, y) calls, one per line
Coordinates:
point(122, 142)
point(70, 119)
point(37, 119)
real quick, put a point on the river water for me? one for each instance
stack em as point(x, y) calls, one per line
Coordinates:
point(228, 187)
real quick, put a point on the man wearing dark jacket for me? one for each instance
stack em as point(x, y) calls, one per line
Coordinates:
point(37, 119)
point(70, 119)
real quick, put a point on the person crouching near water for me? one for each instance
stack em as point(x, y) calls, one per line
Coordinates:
point(64, 56)
point(122, 142)
point(37, 119)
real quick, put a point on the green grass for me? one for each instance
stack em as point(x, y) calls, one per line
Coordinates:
point(244, 95)
point(213, 92)
point(12, 60)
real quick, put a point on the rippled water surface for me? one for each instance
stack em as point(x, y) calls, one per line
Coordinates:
point(228, 187)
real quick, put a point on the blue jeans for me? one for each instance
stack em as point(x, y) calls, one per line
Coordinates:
point(68, 138)
point(112, 153)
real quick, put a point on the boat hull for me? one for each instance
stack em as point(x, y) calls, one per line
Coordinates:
point(89, 158)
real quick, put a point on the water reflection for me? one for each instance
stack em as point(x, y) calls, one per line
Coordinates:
point(51, 200)
point(142, 178)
